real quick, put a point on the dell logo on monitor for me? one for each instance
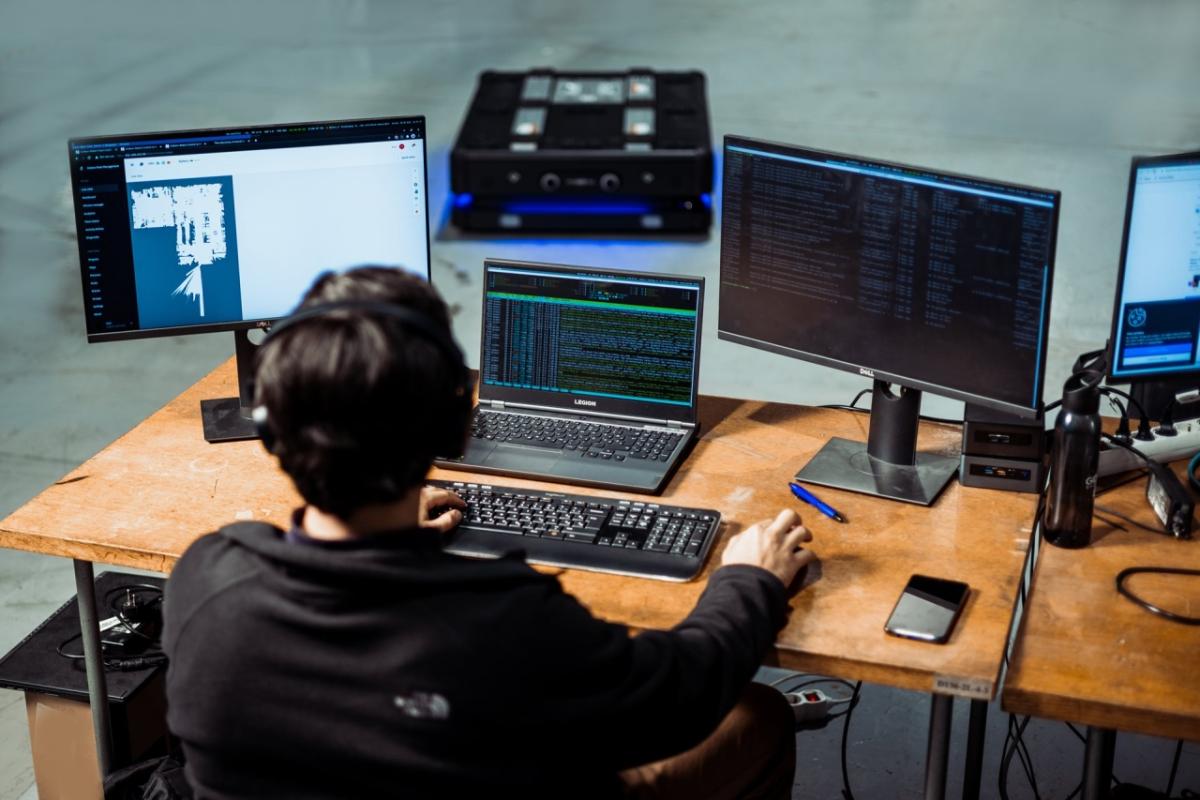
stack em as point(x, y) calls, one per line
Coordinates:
point(870, 373)
point(580, 402)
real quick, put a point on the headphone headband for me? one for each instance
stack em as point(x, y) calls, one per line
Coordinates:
point(409, 317)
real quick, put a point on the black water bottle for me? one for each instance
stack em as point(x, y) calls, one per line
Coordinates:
point(1073, 462)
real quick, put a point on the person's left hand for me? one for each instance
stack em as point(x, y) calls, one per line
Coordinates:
point(433, 499)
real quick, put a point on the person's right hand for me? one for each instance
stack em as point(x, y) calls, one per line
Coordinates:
point(775, 545)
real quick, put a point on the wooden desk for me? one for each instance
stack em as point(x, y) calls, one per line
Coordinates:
point(143, 499)
point(1085, 654)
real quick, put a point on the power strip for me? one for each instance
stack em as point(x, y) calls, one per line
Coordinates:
point(1184, 444)
point(808, 704)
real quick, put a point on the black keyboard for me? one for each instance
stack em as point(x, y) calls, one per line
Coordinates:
point(590, 439)
point(629, 537)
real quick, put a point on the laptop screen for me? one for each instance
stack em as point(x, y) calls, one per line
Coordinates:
point(591, 340)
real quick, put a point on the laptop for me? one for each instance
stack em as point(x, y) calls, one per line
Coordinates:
point(587, 375)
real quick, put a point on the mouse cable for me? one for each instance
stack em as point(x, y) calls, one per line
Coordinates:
point(1128, 593)
point(847, 794)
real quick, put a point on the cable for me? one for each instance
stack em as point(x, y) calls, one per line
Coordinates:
point(1193, 481)
point(1027, 760)
point(1123, 433)
point(787, 678)
point(853, 406)
point(1128, 398)
point(1174, 768)
point(1115, 403)
point(1143, 432)
point(1014, 745)
point(847, 794)
point(1099, 509)
point(1153, 609)
point(1124, 478)
point(147, 658)
point(1108, 437)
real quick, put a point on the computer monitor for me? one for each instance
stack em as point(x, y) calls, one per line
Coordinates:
point(921, 279)
point(1155, 342)
point(218, 230)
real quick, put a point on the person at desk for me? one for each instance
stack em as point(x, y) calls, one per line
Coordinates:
point(351, 656)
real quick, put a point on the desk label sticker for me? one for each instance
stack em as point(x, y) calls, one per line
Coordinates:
point(963, 687)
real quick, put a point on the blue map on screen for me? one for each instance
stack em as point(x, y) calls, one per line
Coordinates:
point(185, 252)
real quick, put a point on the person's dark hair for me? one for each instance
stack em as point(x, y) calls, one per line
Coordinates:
point(351, 396)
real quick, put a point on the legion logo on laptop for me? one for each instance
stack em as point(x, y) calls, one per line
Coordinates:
point(587, 375)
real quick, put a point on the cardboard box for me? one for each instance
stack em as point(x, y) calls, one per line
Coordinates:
point(64, 748)
point(56, 702)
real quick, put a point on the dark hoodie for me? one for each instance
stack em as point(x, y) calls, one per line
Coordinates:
point(383, 667)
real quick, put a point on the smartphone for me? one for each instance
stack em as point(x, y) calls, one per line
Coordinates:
point(927, 609)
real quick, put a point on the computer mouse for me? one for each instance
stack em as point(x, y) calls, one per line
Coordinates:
point(809, 574)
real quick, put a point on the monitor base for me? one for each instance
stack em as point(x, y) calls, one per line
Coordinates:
point(844, 464)
point(226, 420)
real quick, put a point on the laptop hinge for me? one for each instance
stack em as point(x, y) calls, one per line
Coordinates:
point(674, 423)
point(498, 404)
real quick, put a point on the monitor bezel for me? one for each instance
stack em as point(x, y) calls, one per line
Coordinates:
point(233, 325)
point(876, 373)
point(1112, 376)
point(542, 398)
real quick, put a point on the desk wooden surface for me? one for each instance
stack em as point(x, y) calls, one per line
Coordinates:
point(144, 498)
point(1088, 655)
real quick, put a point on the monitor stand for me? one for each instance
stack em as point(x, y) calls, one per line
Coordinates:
point(228, 418)
point(888, 465)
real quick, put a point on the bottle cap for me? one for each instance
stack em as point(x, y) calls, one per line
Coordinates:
point(1081, 392)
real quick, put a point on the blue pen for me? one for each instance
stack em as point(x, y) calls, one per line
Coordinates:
point(811, 499)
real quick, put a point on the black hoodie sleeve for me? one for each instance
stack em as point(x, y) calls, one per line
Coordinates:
point(628, 700)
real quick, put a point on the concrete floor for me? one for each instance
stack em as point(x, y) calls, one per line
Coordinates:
point(1055, 94)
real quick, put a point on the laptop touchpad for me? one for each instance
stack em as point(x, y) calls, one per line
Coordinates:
point(518, 457)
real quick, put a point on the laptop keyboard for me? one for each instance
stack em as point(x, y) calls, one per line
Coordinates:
point(589, 439)
point(583, 531)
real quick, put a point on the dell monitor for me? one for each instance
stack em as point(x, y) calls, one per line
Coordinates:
point(1155, 342)
point(919, 280)
point(224, 230)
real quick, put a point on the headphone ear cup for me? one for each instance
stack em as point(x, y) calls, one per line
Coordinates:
point(458, 417)
point(262, 425)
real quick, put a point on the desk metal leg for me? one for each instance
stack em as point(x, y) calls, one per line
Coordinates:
point(937, 754)
point(973, 768)
point(89, 628)
point(1097, 763)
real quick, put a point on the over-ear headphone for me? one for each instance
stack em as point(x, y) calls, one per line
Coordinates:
point(449, 424)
